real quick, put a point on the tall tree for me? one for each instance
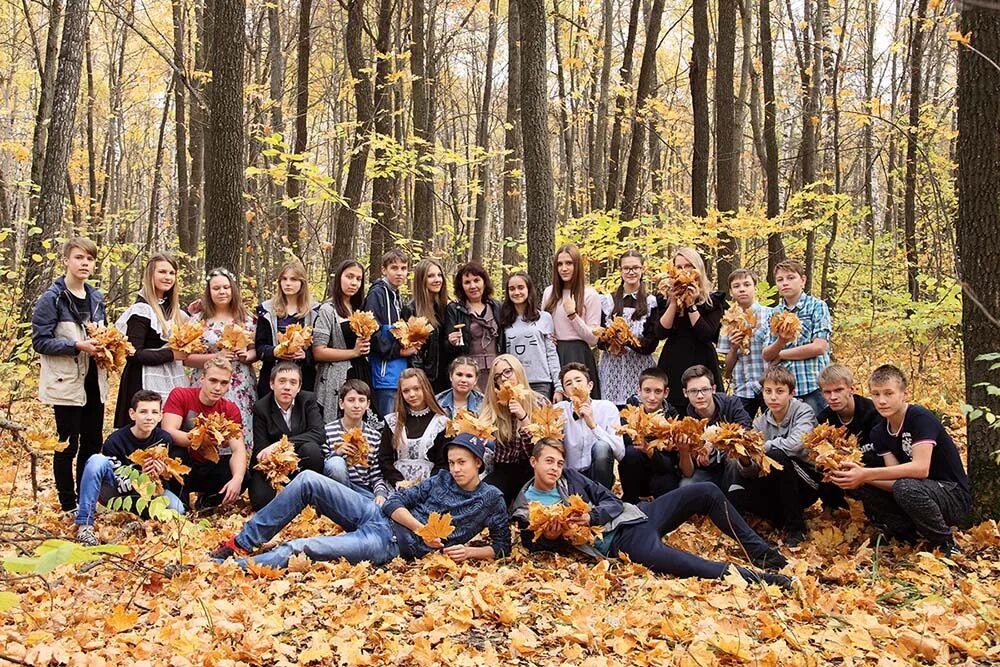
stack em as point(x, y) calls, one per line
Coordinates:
point(912, 140)
point(598, 167)
point(294, 183)
point(698, 75)
point(180, 127)
point(197, 129)
point(47, 73)
point(775, 247)
point(384, 184)
point(727, 143)
point(978, 233)
point(512, 221)
point(482, 141)
point(540, 199)
point(621, 102)
point(423, 182)
point(225, 223)
point(48, 215)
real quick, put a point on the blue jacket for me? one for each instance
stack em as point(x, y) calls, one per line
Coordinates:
point(446, 399)
point(471, 511)
point(56, 326)
point(385, 304)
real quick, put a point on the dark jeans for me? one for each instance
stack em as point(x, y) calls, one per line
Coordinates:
point(384, 401)
point(925, 507)
point(261, 491)
point(206, 478)
point(82, 426)
point(752, 405)
point(781, 496)
point(642, 476)
point(643, 541)
point(509, 478)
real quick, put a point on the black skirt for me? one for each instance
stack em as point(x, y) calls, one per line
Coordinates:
point(578, 351)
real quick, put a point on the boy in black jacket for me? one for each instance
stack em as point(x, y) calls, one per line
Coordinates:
point(649, 473)
point(388, 360)
point(638, 530)
point(70, 380)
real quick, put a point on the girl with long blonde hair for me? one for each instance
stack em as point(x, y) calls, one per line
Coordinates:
point(290, 305)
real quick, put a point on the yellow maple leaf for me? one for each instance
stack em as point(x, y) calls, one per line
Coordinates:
point(617, 336)
point(511, 391)
point(293, 340)
point(120, 619)
point(356, 437)
point(175, 469)
point(234, 338)
point(363, 324)
point(113, 347)
point(786, 325)
point(438, 527)
point(414, 332)
point(44, 442)
point(547, 421)
point(466, 421)
point(281, 464)
point(263, 571)
point(210, 432)
point(187, 337)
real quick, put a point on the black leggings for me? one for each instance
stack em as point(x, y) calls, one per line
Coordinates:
point(509, 478)
point(82, 426)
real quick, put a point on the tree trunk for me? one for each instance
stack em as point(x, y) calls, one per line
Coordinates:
point(621, 101)
point(775, 247)
point(225, 224)
point(826, 291)
point(512, 222)
point(565, 133)
point(59, 143)
point(384, 186)
point(598, 167)
point(482, 141)
point(276, 84)
point(978, 233)
point(196, 140)
point(912, 139)
point(727, 143)
point(347, 216)
point(93, 209)
point(698, 74)
point(644, 89)
point(423, 183)
point(294, 182)
point(180, 129)
point(153, 222)
point(47, 73)
point(535, 130)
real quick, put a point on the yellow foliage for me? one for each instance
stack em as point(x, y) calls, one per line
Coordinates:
point(113, 347)
point(281, 464)
point(293, 340)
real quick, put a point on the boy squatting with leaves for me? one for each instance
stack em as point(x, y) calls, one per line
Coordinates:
point(100, 481)
point(923, 489)
point(380, 534)
point(637, 530)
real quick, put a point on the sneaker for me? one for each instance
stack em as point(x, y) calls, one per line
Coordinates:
point(795, 536)
point(949, 549)
point(86, 536)
point(770, 559)
point(227, 549)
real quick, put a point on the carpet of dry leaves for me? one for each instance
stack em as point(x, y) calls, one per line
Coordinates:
point(857, 603)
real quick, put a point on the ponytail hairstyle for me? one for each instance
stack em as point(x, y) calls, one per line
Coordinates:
point(641, 307)
point(576, 286)
point(169, 314)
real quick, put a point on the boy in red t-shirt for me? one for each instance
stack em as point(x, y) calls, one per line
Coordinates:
point(215, 483)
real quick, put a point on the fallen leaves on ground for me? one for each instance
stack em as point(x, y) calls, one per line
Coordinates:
point(234, 338)
point(738, 320)
point(830, 447)
point(280, 465)
point(356, 437)
point(363, 324)
point(786, 325)
point(294, 339)
point(186, 337)
point(617, 336)
point(414, 332)
point(734, 441)
point(211, 432)
point(438, 527)
point(173, 468)
point(547, 421)
point(113, 348)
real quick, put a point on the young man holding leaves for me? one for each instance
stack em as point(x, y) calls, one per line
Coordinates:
point(746, 367)
point(387, 359)
point(649, 472)
point(591, 433)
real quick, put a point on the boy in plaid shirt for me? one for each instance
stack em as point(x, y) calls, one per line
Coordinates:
point(746, 369)
point(807, 355)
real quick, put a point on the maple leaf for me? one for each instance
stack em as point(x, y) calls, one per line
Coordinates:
point(617, 336)
point(830, 447)
point(43, 442)
point(438, 527)
point(356, 437)
point(466, 421)
point(511, 391)
point(580, 396)
point(282, 463)
point(679, 283)
point(187, 337)
point(263, 571)
point(648, 430)
point(738, 320)
point(543, 517)
point(174, 468)
point(686, 431)
point(736, 441)
point(234, 338)
point(786, 325)
point(547, 421)
point(664, 281)
point(113, 347)
point(210, 432)
point(414, 332)
point(293, 340)
point(363, 324)
point(120, 619)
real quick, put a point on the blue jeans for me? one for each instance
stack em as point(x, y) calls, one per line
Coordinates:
point(814, 399)
point(335, 467)
point(368, 536)
point(602, 464)
point(99, 482)
point(385, 401)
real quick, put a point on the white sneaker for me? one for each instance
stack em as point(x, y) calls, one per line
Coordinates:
point(85, 535)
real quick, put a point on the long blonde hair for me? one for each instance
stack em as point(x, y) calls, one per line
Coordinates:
point(401, 409)
point(172, 315)
point(280, 302)
point(493, 411)
point(577, 286)
point(424, 303)
point(691, 255)
point(236, 308)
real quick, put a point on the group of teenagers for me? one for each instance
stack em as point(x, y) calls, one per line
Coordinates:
point(911, 480)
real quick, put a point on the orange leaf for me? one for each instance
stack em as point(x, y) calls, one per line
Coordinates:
point(120, 619)
point(737, 320)
point(466, 421)
point(786, 325)
point(186, 337)
point(356, 437)
point(234, 338)
point(262, 571)
point(547, 421)
point(293, 340)
point(438, 526)
point(414, 332)
point(210, 432)
point(363, 324)
point(829, 447)
point(617, 336)
point(282, 463)
point(113, 347)
point(511, 391)
point(174, 468)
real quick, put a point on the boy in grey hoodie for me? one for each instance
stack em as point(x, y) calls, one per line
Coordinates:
point(782, 495)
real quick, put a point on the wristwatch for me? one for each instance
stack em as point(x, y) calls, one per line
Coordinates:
point(691, 309)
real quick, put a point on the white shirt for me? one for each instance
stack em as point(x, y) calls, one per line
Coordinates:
point(287, 414)
point(578, 439)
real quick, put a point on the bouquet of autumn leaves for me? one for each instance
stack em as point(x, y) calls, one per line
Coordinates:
point(187, 338)
point(356, 438)
point(466, 421)
point(652, 431)
point(280, 465)
point(734, 440)
point(113, 347)
point(830, 447)
point(172, 468)
point(210, 432)
point(293, 340)
point(413, 332)
point(738, 320)
point(786, 325)
point(676, 283)
point(559, 517)
point(617, 336)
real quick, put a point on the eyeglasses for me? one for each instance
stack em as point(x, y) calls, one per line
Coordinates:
point(631, 269)
point(699, 392)
point(506, 373)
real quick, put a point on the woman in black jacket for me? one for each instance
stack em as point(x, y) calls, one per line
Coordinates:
point(472, 321)
point(430, 300)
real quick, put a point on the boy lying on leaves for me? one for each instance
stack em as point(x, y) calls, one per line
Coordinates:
point(634, 530)
point(379, 534)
